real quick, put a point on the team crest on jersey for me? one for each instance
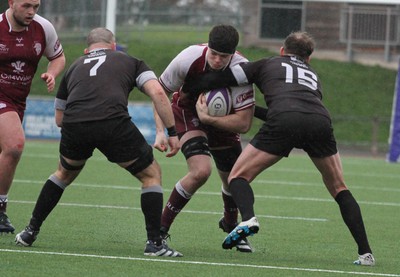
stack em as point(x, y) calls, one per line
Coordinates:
point(18, 67)
point(19, 42)
point(38, 48)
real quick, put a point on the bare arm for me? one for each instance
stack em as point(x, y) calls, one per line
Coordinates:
point(54, 69)
point(163, 109)
point(238, 122)
point(161, 141)
point(59, 117)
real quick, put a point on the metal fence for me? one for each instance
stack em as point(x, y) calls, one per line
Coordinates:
point(76, 17)
point(370, 27)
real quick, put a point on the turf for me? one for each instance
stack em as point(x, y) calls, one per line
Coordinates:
point(98, 228)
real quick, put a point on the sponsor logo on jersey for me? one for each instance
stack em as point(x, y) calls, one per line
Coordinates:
point(57, 45)
point(3, 105)
point(38, 48)
point(18, 67)
point(243, 97)
point(17, 77)
point(19, 42)
point(3, 49)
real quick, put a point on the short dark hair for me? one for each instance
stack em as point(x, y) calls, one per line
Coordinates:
point(100, 35)
point(301, 44)
point(223, 38)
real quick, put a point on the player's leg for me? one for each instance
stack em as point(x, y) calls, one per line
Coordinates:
point(224, 160)
point(332, 175)
point(250, 163)
point(74, 151)
point(49, 197)
point(194, 147)
point(128, 148)
point(12, 142)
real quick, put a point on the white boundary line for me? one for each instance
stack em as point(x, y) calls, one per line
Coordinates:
point(180, 261)
point(218, 193)
point(184, 211)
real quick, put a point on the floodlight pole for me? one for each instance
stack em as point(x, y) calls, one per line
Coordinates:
point(111, 14)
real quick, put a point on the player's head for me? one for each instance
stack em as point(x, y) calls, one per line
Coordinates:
point(300, 44)
point(100, 37)
point(223, 38)
point(22, 12)
point(222, 43)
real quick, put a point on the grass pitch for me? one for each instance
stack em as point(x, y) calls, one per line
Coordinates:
point(98, 228)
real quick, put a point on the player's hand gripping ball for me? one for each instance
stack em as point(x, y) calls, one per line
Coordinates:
point(219, 102)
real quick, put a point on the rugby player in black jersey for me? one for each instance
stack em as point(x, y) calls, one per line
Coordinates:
point(296, 118)
point(91, 109)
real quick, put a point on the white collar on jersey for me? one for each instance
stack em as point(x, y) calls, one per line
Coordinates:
point(98, 49)
point(9, 24)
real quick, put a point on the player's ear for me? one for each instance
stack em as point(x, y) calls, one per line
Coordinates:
point(282, 51)
point(86, 51)
point(114, 46)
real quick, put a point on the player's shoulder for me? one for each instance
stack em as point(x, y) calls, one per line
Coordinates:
point(3, 23)
point(193, 51)
point(238, 58)
point(44, 23)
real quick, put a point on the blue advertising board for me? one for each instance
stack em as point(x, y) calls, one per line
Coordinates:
point(39, 120)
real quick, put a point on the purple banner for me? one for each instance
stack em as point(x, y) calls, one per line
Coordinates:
point(394, 138)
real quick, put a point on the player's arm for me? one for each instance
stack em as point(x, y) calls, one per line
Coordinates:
point(163, 109)
point(59, 114)
point(161, 141)
point(238, 122)
point(260, 112)
point(54, 68)
point(209, 80)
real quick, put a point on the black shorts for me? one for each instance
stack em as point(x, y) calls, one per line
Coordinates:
point(311, 132)
point(225, 158)
point(118, 139)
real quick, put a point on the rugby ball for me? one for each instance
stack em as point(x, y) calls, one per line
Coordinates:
point(219, 102)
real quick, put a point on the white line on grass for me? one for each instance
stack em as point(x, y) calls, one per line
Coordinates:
point(302, 184)
point(184, 211)
point(272, 169)
point(391, 204)
point(180, 261)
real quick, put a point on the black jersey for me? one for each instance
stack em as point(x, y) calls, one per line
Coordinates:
point(97, 85)
point(288, 84)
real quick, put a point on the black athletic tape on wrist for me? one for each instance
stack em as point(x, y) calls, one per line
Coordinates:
point(172, 131)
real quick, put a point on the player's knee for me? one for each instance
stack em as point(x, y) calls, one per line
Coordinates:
point(68, 166)
point(142, 162)
point(14, 151)
point(201, 173)
point(195, 146)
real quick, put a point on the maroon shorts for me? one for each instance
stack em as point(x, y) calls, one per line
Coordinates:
point(186, 119)
point(7, 106)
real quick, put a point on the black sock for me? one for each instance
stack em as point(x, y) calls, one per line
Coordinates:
point(351, 215)
point(243, 195)
point(152, 204)
point(47, 200)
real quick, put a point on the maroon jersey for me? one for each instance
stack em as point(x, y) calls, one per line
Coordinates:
point(20, 53)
